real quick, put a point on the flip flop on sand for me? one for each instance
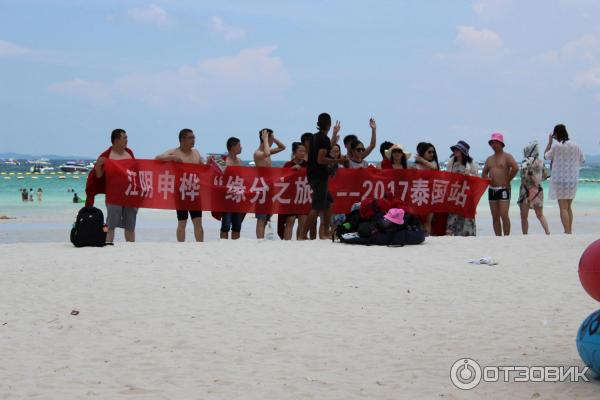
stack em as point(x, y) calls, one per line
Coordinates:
point(484, 261)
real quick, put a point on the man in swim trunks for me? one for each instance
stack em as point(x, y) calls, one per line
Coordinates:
point(500, 168)
point(186, 153)
point(262, 158)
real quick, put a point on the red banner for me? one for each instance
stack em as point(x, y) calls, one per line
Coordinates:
point(168, 185)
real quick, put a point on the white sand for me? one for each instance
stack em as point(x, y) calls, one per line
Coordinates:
point(275, 320)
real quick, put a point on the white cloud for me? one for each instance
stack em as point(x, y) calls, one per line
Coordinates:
point(150, 14)
point(485, 8)
point(478, 39)
point(8, 49)
point(576, 64)
point(95, 91)
point(250, 75)
point(585, 48)
point(589, 78)
point(227, 31)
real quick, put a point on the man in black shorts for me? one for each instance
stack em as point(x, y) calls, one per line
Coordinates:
point(317, 174)
point(500, 168)
point(186, 153)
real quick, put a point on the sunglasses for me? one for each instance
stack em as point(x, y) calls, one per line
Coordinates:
point(360, 150)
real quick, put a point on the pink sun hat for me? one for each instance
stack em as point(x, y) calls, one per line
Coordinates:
point(395, 215)
point(497, 137)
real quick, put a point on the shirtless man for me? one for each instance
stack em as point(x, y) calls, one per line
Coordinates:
point(186, 153)
point(500, 168)
point(118, 216)
point(232, 221)
point(262, 158)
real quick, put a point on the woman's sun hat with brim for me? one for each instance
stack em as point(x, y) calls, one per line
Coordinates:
point(461, 146)
point(497, 137)
point(395, 215)
point(388, 152)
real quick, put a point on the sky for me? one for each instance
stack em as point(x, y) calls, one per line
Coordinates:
point(437, 71)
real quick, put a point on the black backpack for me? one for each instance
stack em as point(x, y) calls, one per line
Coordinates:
point(88, 229)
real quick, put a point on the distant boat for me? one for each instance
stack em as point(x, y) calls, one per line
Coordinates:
point(41, 168)
point(42, 161)
point(12, 161)
point(76, 166)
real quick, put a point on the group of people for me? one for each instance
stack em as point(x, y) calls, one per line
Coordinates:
point(565, 157)
point(27, 195)
point(321, 156)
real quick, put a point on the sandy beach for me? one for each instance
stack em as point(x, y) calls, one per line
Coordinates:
point(288, 320)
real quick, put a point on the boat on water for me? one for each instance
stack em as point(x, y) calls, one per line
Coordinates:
point(11, 161)
point(42, 162)
point(41, 168)
point(76, 166)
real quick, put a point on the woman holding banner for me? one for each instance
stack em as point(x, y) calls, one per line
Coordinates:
point(461, 162)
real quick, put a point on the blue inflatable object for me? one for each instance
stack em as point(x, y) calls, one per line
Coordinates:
point(588, 341)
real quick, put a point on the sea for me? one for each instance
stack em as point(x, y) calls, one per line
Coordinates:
point(54, 213)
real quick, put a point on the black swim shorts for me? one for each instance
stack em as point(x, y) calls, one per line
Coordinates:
point(182, 215)
point(497, 194)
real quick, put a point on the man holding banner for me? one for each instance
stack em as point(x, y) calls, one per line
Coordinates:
point(186, 153)
point(117, 215)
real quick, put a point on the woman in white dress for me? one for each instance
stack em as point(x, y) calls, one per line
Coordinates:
point(565, 159)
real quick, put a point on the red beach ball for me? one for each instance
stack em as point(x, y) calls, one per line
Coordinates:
point(589, 270)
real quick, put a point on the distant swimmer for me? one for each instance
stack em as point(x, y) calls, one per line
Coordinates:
point(76, 198)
